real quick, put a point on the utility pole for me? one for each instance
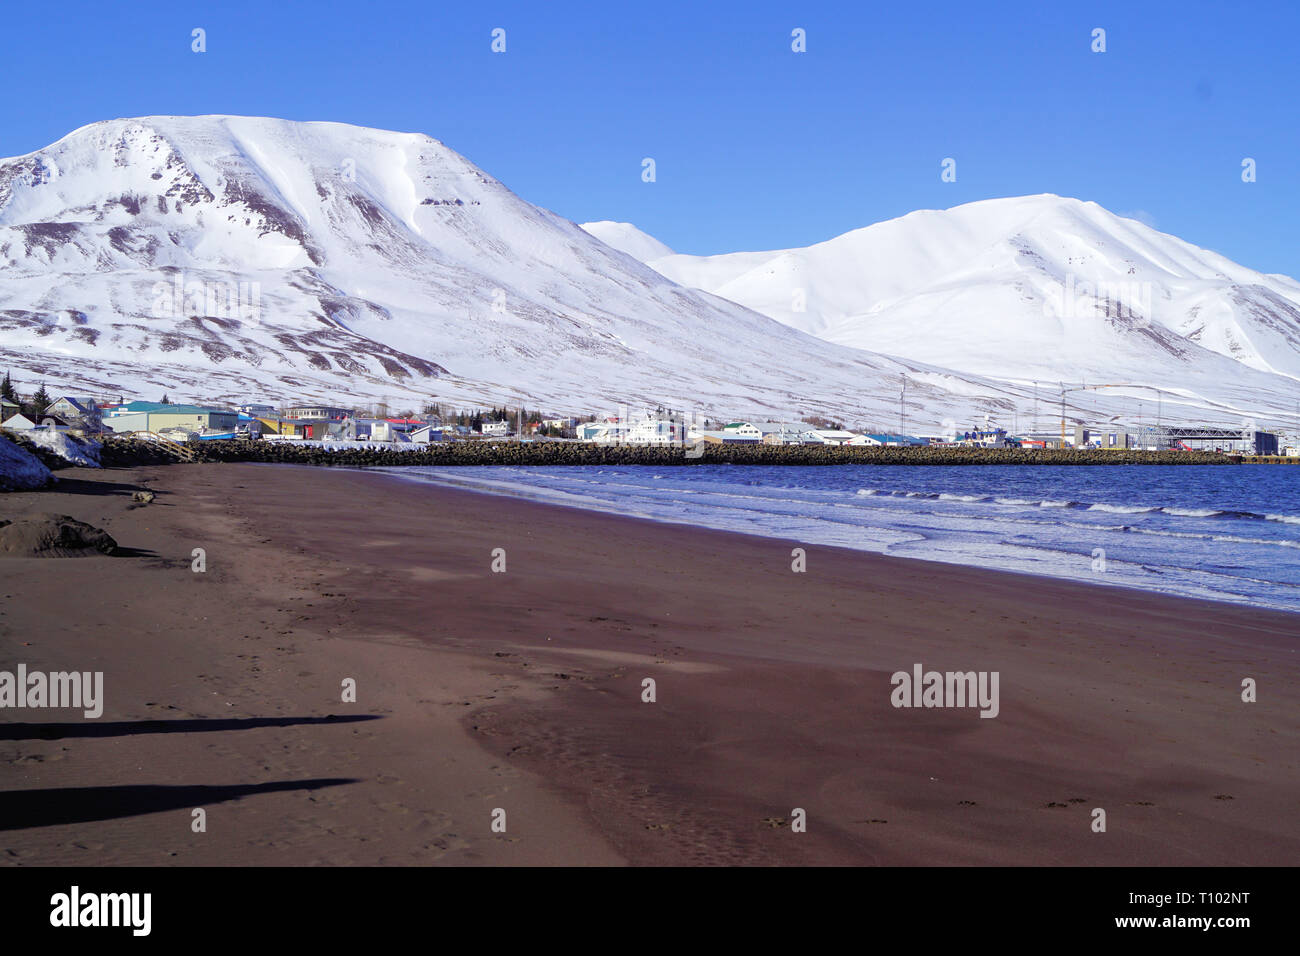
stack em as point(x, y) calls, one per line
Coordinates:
point(1062, 416)
point(1160, 427)
point(902, 409)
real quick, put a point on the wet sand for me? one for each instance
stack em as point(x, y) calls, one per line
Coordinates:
point(522, 691)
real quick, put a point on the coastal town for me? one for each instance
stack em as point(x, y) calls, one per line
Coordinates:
point(340, 425)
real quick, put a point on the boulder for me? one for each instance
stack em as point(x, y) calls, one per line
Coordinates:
point(53, 536)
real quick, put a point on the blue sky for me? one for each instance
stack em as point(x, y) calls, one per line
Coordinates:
point(756, 147)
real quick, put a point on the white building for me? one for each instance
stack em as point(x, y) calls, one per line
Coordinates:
point(744, 430)
point(18, 423)
point(655, 431)
point(642, 431)
point(831, 436)
point(327, 412)
point(495, 428)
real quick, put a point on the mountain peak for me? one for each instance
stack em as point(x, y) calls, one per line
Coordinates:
point(627, 238)
point(235, 258)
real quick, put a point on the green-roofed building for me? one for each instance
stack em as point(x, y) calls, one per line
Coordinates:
point(746, 430)
point(160, 416)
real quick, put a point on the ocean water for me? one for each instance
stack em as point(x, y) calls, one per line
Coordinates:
point(1229, 533)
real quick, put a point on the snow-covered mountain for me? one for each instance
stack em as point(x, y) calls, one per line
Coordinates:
point(226, 258)
point(223, 258)
point(1031, 288)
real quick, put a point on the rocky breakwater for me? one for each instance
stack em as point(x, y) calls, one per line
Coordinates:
point(576, 453)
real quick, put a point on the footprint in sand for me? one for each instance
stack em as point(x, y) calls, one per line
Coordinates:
point(443, 844)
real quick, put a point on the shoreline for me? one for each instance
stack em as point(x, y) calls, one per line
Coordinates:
point(518, 495)
point(523, 690)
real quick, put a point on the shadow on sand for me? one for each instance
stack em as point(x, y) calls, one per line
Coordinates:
point(129, 728)
point(82, 486)
point(20, 809)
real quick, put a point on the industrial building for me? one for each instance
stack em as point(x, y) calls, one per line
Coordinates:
point(1235, 441)
point(160, 416)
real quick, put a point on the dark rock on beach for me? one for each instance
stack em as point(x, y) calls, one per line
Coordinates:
point(50, 535)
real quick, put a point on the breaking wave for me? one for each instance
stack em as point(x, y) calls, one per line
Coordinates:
point(1103, 506)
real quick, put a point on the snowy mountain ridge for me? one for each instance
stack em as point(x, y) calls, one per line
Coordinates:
point(242, 259)
point(1033, 288)
point(233, 259)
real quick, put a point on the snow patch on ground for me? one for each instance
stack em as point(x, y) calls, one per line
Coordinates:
point(78, 451)
point(20, 470)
